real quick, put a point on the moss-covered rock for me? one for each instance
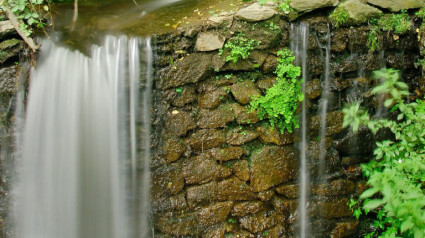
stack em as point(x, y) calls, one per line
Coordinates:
point(396, 5)
point(202, 169)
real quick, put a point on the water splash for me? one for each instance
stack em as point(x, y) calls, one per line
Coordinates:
point(71, 173)
point(299, 46)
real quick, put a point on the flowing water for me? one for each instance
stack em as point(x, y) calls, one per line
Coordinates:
point(74, 157)
point(299, 45)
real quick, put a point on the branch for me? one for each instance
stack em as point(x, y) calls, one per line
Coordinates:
point(15, 22)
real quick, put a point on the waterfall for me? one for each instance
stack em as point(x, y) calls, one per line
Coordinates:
point(76, 173)
point(299, 46)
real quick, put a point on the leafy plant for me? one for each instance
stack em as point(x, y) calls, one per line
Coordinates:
point(281, 100)
point(29, 12)
point(284, 5)
point(339, 17)
point(238, 47)
point(397, 173)
point(373, 41)
point(397, 23)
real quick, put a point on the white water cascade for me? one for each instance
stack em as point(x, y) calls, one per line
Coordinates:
point(299, 46)
point(80, 171)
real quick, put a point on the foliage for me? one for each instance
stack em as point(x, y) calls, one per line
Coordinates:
point(29, 12)
point(397, 173)
point(397, 23)
point(373, 39)
point(280, 102)
point(239, 47)
point(339, 17)
point(284, 5)
point(420, 13)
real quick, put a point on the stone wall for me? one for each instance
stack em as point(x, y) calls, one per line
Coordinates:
point(219, 171)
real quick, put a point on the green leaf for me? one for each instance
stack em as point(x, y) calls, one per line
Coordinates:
point(373, 204)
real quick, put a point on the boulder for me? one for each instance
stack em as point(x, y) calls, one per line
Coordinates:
point(244, 91)
point(226, 154)
point(334, 188)
point(310, 5)
point(178, 123)
point(202, 169)
point(291, 191)
point(8, 85)
point(344, 229)
point(265, 84)
point(188, 95)
point(244, 115)
point(359, 12)
point(206, 139)
point(242, 209)
point(214, 98)
point(241, 169)
point(173, 149)
point(313, 89)
point(173, 203)
point(167, 180)
point(209, 41)
point(231, 189)
point(272, 165)
point(218, 230)
point(265, 196)
point(10, 49)
point(332, 209)
point(285, 206)
point(396, 5)
point(261, 221)
point(6, 29)
point(255, 12)
point(193, 68)
point(240, 135)
point(215, 118)
point(223, 19)
point(333, 122)
point(273, 136)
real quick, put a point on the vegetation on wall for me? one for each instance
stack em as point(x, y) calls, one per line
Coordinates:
point(396, 175)
point(280, 103)
point(238, 47)
point(339, 17)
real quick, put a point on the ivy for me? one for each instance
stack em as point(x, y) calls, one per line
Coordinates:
point(281, 100)
point(238, 47)
point(397, 173)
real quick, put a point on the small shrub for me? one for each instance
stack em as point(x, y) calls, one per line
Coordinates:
point(339, 17)
point(397, 23)
point(396, 175)
point(373, 41)
point(238, 47)
point(280, 102)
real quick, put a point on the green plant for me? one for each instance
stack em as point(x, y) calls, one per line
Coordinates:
point(339, 17)
point(281, 100)
point(396, 175)
point(179, 90)
point(373, 41)
point(284, 5)
point(238, 47)
point(28, 12)
point(397, 23)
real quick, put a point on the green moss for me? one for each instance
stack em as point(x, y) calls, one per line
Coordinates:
point(398, 23)
point(339, 17)
point(7, 44)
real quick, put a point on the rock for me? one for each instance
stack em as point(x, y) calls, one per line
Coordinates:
point(277, 231)
point(265, 84)
point(333, 209)
point(173, 203)
point(179, 123)
point(333, 123)
point(215, 118)
point(223, 19)
point(360, 143)
point(6, 29)
point(206, 139)
point(10, 49)
point(290, 191)
point(273, 136)
point(270, 64)
point(272, 165)
point(244, 115)
point(188, 95)
point(262, 33)
point(241, 169)
point(287, 207)
point(359, 12)
point(255, 12)
point(218, 230)
point(173, 149)
point(193, 68)
point(212, 84)
point(314, 147)
point(8, 82)
point(334, 188)
point(202, 169)
point(313, 89)
point(344, 229)
point(167, 180)
point(240, 136)
point(213, 99)
point(241, 233)
point(231, 189)
point(192, 223)
point(395, 5)
point(209, 41)
point(261, 221)
point(244, 91)
point(226, 154)
point(310, 5)
point(246, 208)
point(265, 196)
point(252, 63)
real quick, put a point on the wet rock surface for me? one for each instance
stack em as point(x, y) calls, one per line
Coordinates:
point(244, 91)
point(255, 12)
point(310, 5)
point(395, 6)
point(209, 41)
